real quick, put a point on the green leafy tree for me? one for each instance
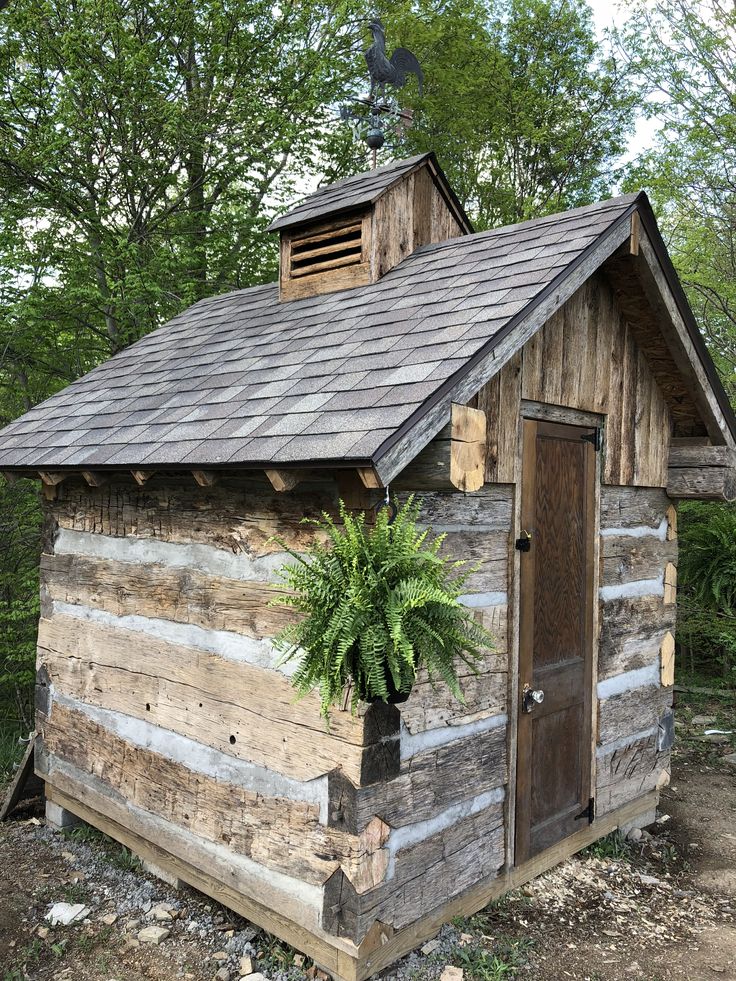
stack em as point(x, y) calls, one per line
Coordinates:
point(524, 108)
point(684, 55)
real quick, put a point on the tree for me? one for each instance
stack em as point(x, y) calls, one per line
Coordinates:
point(525, 110)
point(685, 56)
point(139, 142)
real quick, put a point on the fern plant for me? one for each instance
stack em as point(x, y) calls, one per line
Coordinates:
point(374, 604)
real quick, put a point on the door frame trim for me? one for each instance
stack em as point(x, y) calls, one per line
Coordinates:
point(573, 417)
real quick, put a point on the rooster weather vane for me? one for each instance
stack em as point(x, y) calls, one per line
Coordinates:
point(384, 71)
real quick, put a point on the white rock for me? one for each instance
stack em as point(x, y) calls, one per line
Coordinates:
point(430, 947)
point(109, 919)
point(219, 955)
point(223, 974)
point(153, 935)
point(635, 834)
point(256, 976)
point(160, 914)
point(246, 965)
point(452, 974)
point(703, 720)
point(63, 914)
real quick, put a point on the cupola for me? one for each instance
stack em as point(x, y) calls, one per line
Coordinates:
point(352, 232)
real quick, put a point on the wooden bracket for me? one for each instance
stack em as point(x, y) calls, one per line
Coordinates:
point(635, 232)
point(283, 480)
point(50, 482)
point(141, 476)
point(370, 478)
point(205, 478)
point(94, 479)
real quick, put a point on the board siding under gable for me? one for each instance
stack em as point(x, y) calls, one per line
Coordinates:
point(586, 358)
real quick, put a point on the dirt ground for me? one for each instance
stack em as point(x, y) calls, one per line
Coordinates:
point(661, 908)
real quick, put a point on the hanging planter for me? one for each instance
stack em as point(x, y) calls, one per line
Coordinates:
point(376, 603)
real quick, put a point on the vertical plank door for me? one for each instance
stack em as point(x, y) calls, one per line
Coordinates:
point(555, 634)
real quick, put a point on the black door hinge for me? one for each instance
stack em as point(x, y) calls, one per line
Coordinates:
point(589, 812)
point(594, 438)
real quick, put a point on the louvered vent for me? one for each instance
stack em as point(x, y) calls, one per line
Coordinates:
point(332, 246)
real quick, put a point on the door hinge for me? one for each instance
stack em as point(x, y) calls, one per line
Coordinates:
point(594, 438)
point(589, 812)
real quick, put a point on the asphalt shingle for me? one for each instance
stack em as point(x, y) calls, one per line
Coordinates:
point(243, 379)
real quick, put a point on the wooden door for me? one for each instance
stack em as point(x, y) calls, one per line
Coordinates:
point(558, 503)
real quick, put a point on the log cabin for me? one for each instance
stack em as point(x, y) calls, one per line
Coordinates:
point(545, 391)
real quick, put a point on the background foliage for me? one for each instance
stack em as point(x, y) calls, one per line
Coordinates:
point(144, 146)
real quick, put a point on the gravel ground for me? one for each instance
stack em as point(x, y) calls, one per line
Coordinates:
point(658, 908)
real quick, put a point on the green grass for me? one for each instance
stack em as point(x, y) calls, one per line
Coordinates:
point(11, 750)
point(613, 846)
point(505, 959)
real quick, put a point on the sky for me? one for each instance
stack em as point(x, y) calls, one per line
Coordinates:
point(606, 15)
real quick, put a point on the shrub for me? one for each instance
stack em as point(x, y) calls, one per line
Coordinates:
point(376, 603)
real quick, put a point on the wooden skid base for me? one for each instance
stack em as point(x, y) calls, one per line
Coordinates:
point(382, 947)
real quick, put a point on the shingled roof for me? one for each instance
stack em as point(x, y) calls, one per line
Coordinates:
point(358, 191)
point(242, 380)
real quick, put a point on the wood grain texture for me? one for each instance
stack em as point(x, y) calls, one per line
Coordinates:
point(585, 357)
point(427, 783)
point(625, 558)
point(235, 707)
point(181, 595)
point(631, 633)
point(633, 507)
point(239, 515)
point(631, 712)
point(625, 773)
point(275, 832)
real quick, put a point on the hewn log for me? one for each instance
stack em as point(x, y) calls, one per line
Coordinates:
point(632, 711)
point(632, 507)
point(427, 783)
point(181, 595)
point(238, 516)
point(276, 832)
point(632, 629)
point(702, 483)
point(627, 772)
point(235, 707)
point(625, 558)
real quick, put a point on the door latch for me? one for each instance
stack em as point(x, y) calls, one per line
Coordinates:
point(524, 543)
point(531, 697)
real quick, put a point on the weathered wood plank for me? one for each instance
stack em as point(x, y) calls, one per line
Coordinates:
point(233, 706)
point(276, 832)
point(633, 507)
point(625, 773)
point(239, 516)
point(631, 633)
point(625, 558)
point(702, 483)
point(181, 595)
point(428, 783)
point(25, 783)
point(631, 712)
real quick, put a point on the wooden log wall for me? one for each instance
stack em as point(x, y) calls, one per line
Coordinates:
point(161, 705)
point(637, 621)
point(586, 357)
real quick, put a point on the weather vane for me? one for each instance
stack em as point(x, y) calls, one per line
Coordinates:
point(383, 110)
